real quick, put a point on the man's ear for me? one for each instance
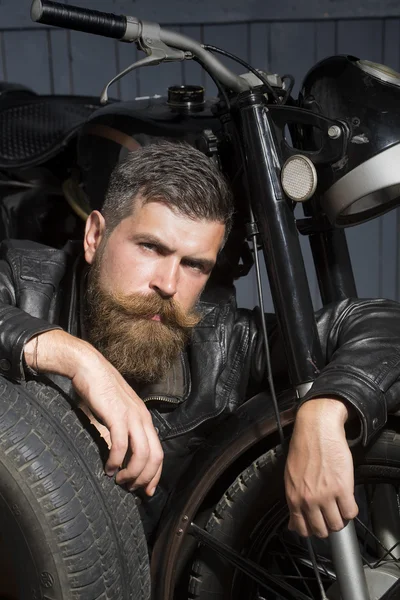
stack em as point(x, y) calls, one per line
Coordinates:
point(94, 232)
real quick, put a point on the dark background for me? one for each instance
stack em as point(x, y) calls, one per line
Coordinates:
point(286, 36)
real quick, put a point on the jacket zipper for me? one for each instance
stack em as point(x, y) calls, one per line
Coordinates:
point(161, 399)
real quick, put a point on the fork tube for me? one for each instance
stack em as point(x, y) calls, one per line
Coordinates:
point(347, 560)
point(333, 266)
point(289, 286)
point(283, 258)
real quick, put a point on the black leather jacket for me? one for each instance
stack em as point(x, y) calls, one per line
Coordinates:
point(41, 289)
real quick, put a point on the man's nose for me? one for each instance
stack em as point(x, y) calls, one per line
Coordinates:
point(165, 278)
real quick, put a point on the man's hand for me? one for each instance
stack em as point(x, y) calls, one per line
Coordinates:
point(134, 442)
point(319, 474)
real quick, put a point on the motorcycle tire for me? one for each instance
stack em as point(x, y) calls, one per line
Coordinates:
point(67, 530)
point(253, 510)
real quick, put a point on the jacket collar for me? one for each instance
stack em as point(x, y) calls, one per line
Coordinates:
point(73, 293)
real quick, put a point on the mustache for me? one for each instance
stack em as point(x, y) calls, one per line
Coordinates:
point(119, 325)
point(145, 306)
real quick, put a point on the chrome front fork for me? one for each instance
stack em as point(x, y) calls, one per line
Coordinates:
point(349, 569)
point(346, 556)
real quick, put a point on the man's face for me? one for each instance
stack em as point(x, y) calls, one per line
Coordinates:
point(155, 250)
point(146, 279)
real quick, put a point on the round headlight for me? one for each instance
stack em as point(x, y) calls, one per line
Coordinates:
point(365, 95)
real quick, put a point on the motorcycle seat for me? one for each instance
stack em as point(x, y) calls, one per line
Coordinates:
point(35, 128)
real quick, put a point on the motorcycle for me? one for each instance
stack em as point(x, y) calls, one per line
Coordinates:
point(224, 531)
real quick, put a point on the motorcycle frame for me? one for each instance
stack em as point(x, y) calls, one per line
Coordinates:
point(253, 428)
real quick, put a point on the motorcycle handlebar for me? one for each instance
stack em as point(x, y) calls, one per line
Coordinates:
point(85, 20)
point(128, 29)
point(215, 66)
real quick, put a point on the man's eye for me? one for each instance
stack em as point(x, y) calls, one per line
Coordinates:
point(195, 266)
point(148, 246)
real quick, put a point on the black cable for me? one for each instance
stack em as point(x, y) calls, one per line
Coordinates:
point(247, 66)
point(254, 237)
point(217, 83)
point(265, 335)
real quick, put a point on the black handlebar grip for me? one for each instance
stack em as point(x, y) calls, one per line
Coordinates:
point(79, 19)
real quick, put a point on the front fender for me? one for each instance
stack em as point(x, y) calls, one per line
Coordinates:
point(250, 424)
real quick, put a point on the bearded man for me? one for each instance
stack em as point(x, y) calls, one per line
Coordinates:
point(125, 328)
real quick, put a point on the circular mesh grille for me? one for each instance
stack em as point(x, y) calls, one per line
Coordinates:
point(299, 178)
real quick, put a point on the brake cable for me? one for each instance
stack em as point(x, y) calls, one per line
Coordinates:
point(253, 236)
point(258, 74)
point(253, 229)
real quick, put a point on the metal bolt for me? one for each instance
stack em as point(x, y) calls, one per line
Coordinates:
point(334, 132)
point(179, 532)
point(185, 518)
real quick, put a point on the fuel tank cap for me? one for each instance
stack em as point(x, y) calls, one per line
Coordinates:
point(189, 97)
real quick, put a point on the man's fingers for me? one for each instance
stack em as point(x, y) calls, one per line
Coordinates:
point(146, 458)
point(151, 488)
point(322, 520)
point(119, 447)
point(333, 518)
point(157, 461)
point(316, 522)
point(298, 524)
point(347, 506)
point(306, 518)
point(149, 473)
point(139, 456)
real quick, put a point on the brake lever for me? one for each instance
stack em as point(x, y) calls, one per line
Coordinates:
point(157, 51)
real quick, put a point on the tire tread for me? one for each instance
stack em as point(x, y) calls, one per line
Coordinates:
point(96, 524)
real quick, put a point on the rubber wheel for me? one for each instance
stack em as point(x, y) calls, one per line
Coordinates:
point(69, 531)
point(253, 513)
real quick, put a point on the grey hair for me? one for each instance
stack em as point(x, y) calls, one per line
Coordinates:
point(174, 173)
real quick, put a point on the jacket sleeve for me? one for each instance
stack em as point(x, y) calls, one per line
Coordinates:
point(16, 327)
point(360, 341)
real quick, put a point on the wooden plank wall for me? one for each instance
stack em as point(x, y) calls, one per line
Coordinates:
point(61, 62)
point(16, 13)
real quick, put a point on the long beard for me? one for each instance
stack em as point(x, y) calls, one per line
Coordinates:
point(121, 328)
